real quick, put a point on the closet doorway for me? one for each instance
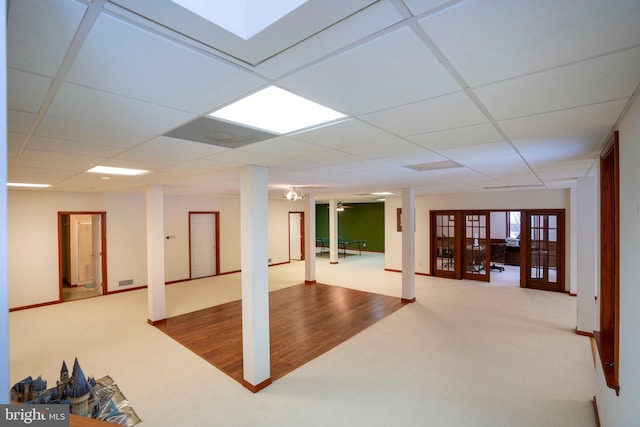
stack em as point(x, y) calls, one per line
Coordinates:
point(81, 255)
point(203, 244)
point(296, 236)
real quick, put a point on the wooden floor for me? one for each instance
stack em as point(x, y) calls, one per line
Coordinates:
point(305, 322)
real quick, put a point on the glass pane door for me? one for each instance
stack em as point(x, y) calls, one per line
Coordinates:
point(544, 246)
point(444, 263)
point(476, 246)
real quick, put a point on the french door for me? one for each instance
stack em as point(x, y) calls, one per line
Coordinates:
point(543, 245)
point(460, 244)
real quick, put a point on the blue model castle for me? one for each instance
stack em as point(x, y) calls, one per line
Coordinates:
point(85, 396)
point(76, 391)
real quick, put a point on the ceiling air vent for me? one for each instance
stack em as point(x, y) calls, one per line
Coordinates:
point(445, 164)
point(217, 132)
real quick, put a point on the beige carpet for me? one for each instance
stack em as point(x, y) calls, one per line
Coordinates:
point(465, 354)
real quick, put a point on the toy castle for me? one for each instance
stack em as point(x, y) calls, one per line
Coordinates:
point(85, 396)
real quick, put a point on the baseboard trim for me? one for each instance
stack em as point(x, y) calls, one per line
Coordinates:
point(408, 301)
point(256, 388)
point(583, 333)
point(42, 304)
point(333, 262)
point(310, 282)
point(156, 322)
point(595, 410)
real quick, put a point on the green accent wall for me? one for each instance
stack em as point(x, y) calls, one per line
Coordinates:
point(363, 221)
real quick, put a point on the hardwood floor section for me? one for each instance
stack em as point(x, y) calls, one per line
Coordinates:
point(305, 322)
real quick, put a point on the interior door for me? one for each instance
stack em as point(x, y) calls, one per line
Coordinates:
point(96, 251)
point(544, 250)
point(85, 248)
point(203, 244)
point(296, 236)
point(477, 246)
point(445, 253)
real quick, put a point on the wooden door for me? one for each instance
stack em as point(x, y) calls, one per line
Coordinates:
point(543, 246)
point(445, 252)
point(476, 246)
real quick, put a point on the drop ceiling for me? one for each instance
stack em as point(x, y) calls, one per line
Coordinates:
point(514, 93)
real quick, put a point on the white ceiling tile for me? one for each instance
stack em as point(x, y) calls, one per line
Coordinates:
point(117, 57)
point(311, 17)
point(374, 18)
point(178, 149)
point(241, 157)
point(26, 91)
point(459, 137)
point(39, 33)
point(568, 147)
point(343, 134)
point(384, 149)
point(418, 7)
point(114, 111)
point(445, 112)
point(284, 147)
point(486, 156)
point(330, 157)
point(56, 160)
point(19, 121)
point(82, 131)
point(602, 79)
point(375, 75)
point(499, 39)
point(72, 147)
point(548, 124)
point(422, 157)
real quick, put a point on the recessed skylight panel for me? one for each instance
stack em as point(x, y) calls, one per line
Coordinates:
point(277, 110)
point(245, 18)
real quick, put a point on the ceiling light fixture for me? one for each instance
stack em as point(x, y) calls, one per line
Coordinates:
point(292, 194)
point(27, 185)
point(277, 110)
point(109, 170)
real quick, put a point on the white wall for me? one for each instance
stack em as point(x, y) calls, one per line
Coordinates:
point(499, 225)
point(511, 200)
point(622, 411)
point(33, 238)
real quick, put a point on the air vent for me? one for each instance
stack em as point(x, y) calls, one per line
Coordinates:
point(125, 282)
point(517, 187)
point(445, 164)
point(217, 132)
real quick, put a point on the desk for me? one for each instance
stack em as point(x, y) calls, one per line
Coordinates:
point(323, 242)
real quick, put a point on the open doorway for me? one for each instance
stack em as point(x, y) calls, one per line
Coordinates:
point(82, 254)
point(505, 247)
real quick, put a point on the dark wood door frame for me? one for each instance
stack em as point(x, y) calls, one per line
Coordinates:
point(526, 262)
point(103, 247)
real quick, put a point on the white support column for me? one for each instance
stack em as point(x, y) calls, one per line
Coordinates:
point(587, 230)
point(573, 241)
point(4, 280)
point(155, 254)
point(310, 240)
point(408, 245)
point(333, 232)
point(255, 279)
